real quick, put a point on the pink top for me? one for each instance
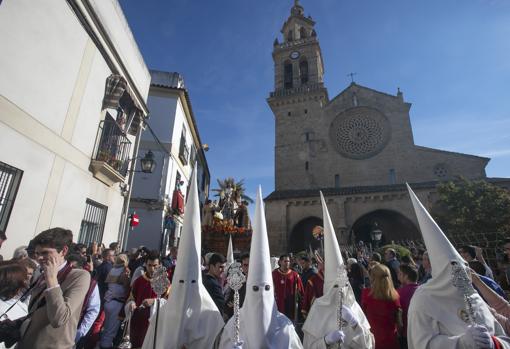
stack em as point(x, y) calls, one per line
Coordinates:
point(406, 293)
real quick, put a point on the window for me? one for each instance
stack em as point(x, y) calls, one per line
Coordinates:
point(306, 166)
point(287, 75)
point(193, 155)
point(92, 225)
point(302, 33)
point(303, 71)
point(393, 178)
point(10, 178)
point(307, 136)
point(289, 35)
point(289, 113)
point(337, 181)
point(306, 111)
point(183, 148)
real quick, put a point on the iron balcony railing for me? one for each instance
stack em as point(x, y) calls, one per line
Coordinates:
point(112, 145)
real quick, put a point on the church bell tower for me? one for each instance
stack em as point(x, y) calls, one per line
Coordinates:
point(297, 99)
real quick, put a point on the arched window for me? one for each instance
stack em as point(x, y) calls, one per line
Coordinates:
point(287, 75)
point(289, 35)
point(302, 33)
point(303, 71)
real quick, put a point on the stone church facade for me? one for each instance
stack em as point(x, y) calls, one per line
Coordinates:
point(357, 148)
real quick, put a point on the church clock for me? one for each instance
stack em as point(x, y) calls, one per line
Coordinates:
point(360, 133)
point(294, 54)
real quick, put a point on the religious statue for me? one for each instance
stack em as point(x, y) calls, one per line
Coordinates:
point(242, 216)
point(208, 212)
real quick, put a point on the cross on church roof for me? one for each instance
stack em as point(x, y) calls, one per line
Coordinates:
point(352, 76)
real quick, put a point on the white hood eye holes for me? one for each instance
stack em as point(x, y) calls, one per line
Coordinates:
point(193, 281)
point(335, 286)
point(181, 281)
point(256, 288)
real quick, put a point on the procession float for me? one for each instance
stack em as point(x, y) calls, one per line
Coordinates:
point(227, 216)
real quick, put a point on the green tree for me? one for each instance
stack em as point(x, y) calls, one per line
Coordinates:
point(472, 207)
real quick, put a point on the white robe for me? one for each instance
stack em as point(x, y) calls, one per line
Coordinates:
point(322, 319)
point(283, 334)
point(435, 322)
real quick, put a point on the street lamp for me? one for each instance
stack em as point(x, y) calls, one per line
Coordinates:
point(148, 163)
point(376, 235)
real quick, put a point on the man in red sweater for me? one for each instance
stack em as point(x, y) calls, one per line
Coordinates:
point(288, 288)
point(141, 299)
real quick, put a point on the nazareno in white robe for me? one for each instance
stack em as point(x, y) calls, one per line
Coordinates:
point(437, 316)
point(322, 317)
point(261, 326)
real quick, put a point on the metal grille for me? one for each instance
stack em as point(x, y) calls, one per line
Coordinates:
point(92, 225)
point(113, 146)
point(10, 178)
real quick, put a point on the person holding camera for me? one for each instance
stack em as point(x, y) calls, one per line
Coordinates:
point(12, 283)
point(57, 297)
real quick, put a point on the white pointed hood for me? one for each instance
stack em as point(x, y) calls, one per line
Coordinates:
point(332, 256)
point(189, 318)
point(259, 307)
point(230, 253)
point(438, 298)
point(441, 252)
point(261, 325)
point(323, 313)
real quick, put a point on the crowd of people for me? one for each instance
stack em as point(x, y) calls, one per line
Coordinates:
point(112, 285)
point(58, 294)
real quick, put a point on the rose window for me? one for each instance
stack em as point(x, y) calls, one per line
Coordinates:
point(440, 170)
point(360, 133)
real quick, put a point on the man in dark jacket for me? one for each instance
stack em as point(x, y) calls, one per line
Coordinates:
point(103, 270)
point(212, 280)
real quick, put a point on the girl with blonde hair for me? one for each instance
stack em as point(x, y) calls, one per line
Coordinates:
point(381, 304)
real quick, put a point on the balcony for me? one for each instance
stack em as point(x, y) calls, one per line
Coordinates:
point(297, 90)
point(111, 154)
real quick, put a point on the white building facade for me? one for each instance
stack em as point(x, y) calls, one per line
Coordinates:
point(172, 136)
point(73, 93)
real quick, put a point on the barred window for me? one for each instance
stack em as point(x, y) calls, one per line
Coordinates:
point(10, 178)
point(92, 225)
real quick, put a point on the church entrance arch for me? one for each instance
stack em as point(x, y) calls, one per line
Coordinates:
point(301, 238)
point(394, 226)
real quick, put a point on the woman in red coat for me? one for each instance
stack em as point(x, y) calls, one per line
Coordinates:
point(381, 305)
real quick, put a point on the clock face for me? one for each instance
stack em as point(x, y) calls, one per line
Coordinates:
point(294, 55)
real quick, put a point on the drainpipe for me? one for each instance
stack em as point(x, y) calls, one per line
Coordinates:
point(123, 226)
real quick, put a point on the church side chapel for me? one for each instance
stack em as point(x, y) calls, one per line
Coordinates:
point(356, 147)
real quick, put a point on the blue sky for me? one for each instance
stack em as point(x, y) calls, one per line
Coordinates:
point(451, 59)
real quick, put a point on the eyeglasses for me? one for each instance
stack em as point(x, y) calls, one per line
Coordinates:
point(246, 264)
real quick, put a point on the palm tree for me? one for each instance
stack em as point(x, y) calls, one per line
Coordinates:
point(229, 187)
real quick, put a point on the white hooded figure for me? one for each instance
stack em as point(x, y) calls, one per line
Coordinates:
point(321, 327)
point(230, 253)
point(189, 319)
point(261, 325)
point(438, 316)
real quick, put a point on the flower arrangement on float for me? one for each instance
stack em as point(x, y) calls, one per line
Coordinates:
point(221, 226)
